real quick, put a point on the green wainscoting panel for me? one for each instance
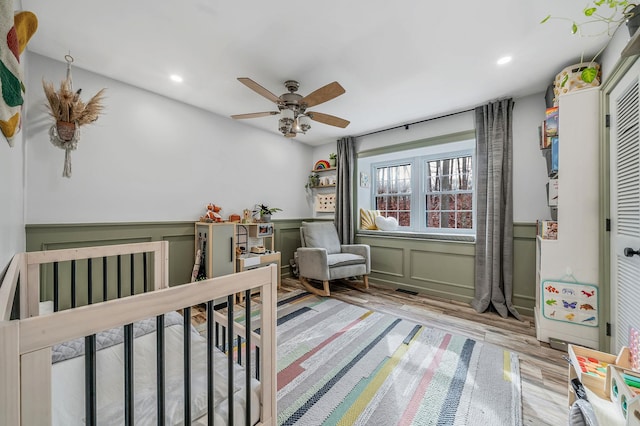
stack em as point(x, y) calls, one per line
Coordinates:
point(179, 235)
point(287, 241)
point(439, 268)
point(387, 261)
point(450, 274)
point(524, 267)
point(445, 269)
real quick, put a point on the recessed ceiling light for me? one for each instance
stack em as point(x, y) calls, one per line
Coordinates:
point(176, 78)
point(504, 60)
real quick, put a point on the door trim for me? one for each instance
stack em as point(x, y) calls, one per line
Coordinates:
point(619, 71)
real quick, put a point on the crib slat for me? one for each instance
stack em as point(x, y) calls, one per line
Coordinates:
point(160, 373)
point(89, 281)
point(230, 386)
point(186, 332)
point(133, 278)
point(56, 288)
point(119, 263)
point(73, 283)
point(105, 295)
point(145, 280)
point(258, 363)
point(128, 376)
point(223, 347)
point(90, 380)
point(210, 366)
point(247, 366)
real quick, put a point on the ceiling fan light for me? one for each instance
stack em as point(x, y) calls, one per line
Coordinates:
point(284, 125)
point(303, 123)
point(288, 114)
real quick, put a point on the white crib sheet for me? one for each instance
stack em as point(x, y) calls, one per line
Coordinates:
point(68, 384)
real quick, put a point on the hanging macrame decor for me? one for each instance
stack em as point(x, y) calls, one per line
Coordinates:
point(70, 113)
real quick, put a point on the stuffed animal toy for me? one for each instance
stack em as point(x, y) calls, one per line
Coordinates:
point(212, 214)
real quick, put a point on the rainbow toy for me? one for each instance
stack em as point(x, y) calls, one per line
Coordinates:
point(322, 164)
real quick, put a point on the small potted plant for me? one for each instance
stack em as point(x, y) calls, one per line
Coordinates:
point(265, 212)
point(332, 159)
point(312, 181)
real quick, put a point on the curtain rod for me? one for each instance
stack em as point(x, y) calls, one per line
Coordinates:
point(406, 126)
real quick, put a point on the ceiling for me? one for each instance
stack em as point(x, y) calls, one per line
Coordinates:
point(399, 62)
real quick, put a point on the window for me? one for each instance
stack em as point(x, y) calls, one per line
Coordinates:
point(428, 190)
point(393, 192)
point(449, 193)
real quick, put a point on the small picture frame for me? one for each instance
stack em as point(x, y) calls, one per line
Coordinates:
point(364, 180)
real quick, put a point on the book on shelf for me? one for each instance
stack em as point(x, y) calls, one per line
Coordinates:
point(555, 148)
point(549, 128)
point(551, 121)
point(552, 192)
point(548, 229)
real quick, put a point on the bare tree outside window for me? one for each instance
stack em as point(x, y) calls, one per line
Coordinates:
point(449, 193)
point(393, 192)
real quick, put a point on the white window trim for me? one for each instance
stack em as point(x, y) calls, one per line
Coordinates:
point(418, 190)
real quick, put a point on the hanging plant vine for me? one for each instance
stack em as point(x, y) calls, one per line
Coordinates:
point(70, 112)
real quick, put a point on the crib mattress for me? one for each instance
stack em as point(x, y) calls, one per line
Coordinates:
point(68, 384)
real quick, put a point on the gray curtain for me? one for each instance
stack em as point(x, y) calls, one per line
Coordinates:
point(346, 164)
point(494, 208)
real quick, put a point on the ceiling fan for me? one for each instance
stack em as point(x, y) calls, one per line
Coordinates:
point(293, 107)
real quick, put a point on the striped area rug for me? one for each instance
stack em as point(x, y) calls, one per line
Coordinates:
point(340, 364)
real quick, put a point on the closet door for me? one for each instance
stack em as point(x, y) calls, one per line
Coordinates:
point(625, 207)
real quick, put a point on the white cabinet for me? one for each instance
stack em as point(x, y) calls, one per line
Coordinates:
point(573, 257)
point(219, 247)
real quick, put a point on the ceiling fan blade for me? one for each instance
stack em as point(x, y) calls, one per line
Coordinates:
point(323, 94)
point(258, 89)
point(331, 120)
point(255, 114)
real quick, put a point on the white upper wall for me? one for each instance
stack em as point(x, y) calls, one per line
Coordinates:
point(12, 239)
point(529, 166)
point(149, 158)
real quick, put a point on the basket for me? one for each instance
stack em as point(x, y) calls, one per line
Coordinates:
point(572, 78)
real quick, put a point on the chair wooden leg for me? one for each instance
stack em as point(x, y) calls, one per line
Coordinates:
point(325, 284)
point(311, 289)
point(365, 279)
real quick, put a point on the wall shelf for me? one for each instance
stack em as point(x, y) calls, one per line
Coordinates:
point(323, 186)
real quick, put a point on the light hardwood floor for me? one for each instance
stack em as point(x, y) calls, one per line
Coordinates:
point(542, 369)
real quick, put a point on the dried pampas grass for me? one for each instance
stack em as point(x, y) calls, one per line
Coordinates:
point(66, 105)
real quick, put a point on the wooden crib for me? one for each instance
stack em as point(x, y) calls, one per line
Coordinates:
point(93, 291)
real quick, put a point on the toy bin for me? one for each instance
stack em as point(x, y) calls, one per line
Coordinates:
point(624, 391)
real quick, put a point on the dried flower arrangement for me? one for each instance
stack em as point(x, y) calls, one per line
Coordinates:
point(65, 105)
point(70, 112)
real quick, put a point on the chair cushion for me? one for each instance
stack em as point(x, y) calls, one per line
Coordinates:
point(344, 259)
point(321, 235)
